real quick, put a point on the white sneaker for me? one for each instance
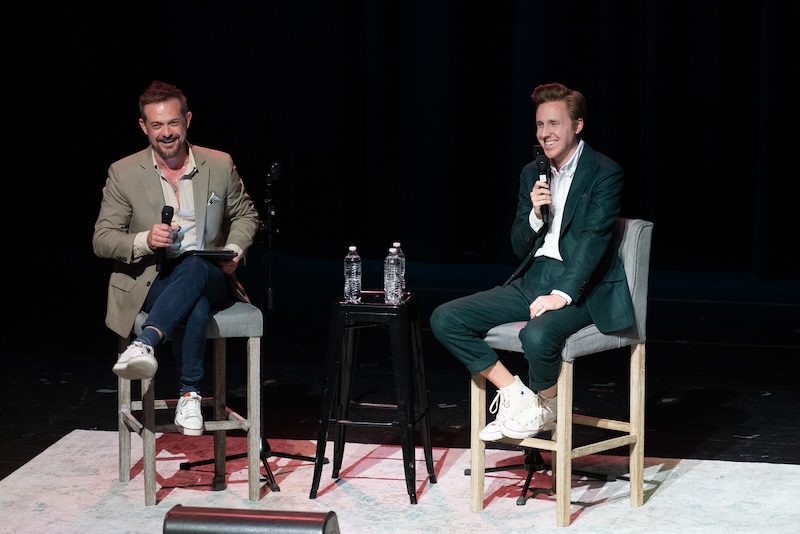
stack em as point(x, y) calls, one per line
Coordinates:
point(189, 415)
point(541, 416)
point(508, 402)
point(137, 362)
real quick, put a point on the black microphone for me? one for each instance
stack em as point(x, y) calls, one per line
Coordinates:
point(543, 166)
point(166, 218)
point(274, 172)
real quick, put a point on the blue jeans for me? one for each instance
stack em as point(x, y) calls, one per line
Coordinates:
point(459, 325)
point(180, 303)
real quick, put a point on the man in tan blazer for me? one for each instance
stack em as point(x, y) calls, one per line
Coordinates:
point(158, 205)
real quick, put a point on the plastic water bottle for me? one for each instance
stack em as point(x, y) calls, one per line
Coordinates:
point(402, 257)
point(352, 276)
point(391, 278)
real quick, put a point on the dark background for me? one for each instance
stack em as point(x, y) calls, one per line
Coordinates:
point(405, 120)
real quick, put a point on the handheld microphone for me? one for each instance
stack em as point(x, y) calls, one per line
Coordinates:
point(543, 166)
point(166, 218)
point(274, 172)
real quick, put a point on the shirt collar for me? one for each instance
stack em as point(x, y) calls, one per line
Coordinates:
point(191, 165)
point(568, 169)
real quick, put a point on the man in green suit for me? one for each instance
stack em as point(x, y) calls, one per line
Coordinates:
point(570, 275)
point(158, 205)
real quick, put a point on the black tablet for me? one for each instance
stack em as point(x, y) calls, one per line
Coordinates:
point(213, 255)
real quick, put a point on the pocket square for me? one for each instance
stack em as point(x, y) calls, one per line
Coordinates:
point(213, 199)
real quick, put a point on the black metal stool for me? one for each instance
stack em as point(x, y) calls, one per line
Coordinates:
point(409, 378)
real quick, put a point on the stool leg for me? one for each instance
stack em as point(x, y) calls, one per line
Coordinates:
point(220, 394)
point(344, 389)
point(124, 411)
point(328, 396)
point(636, 450)
point(421, 387)
point(124, 400)
point(562, 462)
point(254, 418)
point(400, 333)
point(149, 441)
point(477, 447)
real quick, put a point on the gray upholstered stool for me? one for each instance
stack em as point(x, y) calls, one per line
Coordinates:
point(634, 238)
point(241, 320)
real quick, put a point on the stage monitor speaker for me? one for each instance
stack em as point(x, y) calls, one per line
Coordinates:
point(190, 520)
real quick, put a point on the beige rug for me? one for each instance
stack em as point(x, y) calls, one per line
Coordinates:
point(72, 487)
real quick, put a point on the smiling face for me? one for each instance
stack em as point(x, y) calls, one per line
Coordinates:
point(556, 132)
point(165, 127)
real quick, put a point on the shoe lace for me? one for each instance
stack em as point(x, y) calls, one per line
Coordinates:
point(495, 405)
point(190, 406)
point(546, 404)
point(146, 349)
point(500, 400)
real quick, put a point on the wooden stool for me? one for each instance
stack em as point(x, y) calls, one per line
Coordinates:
point(241, 320)
point(634, 239)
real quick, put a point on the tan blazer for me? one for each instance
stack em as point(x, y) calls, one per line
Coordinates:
point(132, 202)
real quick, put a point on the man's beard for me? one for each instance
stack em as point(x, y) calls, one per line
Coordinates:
point(168, 152)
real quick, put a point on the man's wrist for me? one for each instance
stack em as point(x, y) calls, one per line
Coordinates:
point(562, 295)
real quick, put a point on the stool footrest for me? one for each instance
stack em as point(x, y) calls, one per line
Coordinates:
point(131, 422)
point(213, 426)
point(376, 405)
point(168, 404)
point(365, 423)
point(234, 422)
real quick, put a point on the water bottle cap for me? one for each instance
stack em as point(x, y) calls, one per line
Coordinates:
point(392, 250)
point(352, 248)
point(396, 244)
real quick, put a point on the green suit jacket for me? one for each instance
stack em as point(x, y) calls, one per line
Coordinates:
point(593, 271)
point(132, 202)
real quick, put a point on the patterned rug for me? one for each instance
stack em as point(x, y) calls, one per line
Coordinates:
point(73, 487)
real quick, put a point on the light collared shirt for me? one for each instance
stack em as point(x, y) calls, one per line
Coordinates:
point(185, 238)
point(560, 182)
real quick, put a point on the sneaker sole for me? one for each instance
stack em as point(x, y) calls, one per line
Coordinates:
point(514, 434)
point(189, 431)
point(490, 437)
point(141, 368)
point(490, 432)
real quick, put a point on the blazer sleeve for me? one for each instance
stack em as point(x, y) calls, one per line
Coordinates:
point(523, 238)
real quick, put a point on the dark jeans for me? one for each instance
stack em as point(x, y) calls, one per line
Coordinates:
point(180, 303)
point(460, 324)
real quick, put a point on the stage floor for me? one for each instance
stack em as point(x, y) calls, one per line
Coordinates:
point(73, 487)
point(721, 368)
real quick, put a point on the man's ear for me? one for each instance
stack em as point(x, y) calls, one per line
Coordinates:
point(578, 126)
point(188, 118)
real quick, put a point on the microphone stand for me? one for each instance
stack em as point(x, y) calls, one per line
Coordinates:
point(265, 229)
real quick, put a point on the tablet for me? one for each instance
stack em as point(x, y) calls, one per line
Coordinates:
point(213, 255)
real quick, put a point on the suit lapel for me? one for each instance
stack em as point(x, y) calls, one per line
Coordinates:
point(583, 174)
point(200, 184)
point(151, 183)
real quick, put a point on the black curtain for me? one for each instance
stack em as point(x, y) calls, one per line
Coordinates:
point(410, 120)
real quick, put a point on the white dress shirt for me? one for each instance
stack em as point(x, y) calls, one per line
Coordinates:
point(560, 182)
